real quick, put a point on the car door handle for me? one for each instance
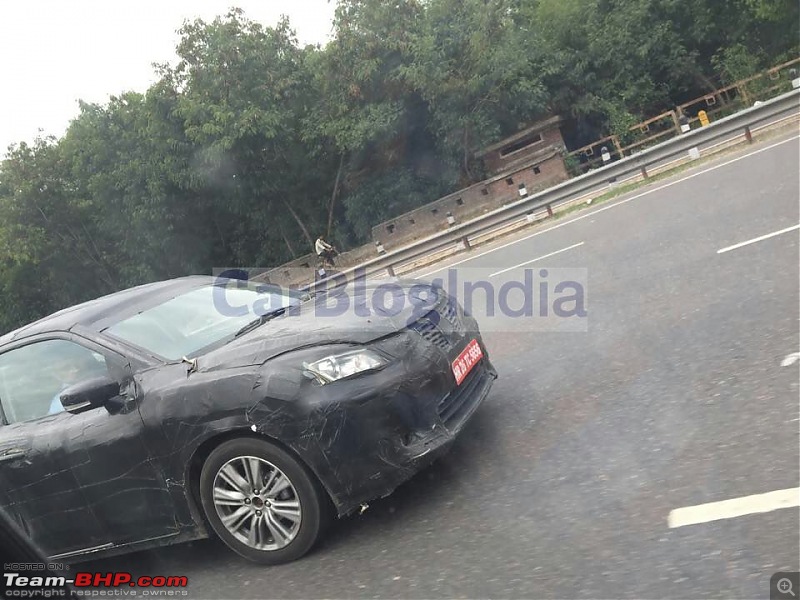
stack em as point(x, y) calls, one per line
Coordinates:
point(12, 454)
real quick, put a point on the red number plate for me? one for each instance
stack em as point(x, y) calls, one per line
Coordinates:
point(466, 360)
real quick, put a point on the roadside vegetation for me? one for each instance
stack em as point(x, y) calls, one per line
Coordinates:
point(250, 145)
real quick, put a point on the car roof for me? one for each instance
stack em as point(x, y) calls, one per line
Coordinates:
point(95, 315)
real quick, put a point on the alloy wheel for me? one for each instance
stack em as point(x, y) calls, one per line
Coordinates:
point(257, 503)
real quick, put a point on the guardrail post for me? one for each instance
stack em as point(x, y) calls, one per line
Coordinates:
point(676, 121)
point(549, 211)
point(644, 172)
point(465, 241)
point(618, 146)
point(748, 135)
point(390, 271)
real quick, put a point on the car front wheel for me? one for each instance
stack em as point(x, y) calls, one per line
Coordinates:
point(261, 501)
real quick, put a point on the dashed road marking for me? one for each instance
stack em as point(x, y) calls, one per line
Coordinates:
point(737, 507)
point(790, 359)
point(760, 238)
point(527, 262)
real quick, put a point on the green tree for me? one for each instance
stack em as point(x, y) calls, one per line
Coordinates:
point(51, 252)
point(479, 69)
point(365, 116)
point(242, 92)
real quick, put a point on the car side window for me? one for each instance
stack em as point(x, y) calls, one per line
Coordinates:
point(32, 377)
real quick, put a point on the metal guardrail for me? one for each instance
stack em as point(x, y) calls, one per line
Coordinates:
point(596, 180)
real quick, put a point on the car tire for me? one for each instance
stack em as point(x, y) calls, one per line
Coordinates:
point(275, 524)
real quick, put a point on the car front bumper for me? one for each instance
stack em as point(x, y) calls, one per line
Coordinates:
point(367, 435)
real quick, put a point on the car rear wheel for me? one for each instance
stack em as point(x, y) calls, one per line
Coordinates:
point(261, 501)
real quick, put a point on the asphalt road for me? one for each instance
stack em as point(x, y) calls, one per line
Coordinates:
point(562, 484)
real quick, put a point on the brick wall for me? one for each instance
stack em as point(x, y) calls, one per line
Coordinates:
point(545, 170)
point(300, 270)
point(499, 159)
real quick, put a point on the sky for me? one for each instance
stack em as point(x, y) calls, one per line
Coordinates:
point(56, 52)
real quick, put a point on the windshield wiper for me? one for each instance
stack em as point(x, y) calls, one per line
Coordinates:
point(260, 321)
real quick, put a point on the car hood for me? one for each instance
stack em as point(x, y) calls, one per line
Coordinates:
point(349, 315)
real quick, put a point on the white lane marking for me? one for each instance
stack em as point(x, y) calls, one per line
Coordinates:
point(527, 262)
point(614, 205)
point(790, 359)
point(737, 507)
point(758, 239)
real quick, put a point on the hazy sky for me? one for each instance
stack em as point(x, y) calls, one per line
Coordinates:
point(55, 52)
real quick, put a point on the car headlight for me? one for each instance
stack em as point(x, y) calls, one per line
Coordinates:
point(339, 366)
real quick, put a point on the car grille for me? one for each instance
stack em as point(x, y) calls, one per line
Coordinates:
point(432, 334)
point(458, 403)
point(443, 326)
point(449, 311)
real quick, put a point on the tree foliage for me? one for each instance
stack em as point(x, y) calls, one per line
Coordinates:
point(250, 145)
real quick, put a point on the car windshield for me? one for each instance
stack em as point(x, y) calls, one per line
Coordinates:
point(188, 324)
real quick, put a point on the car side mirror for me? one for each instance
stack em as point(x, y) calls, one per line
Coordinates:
point(89, 394)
